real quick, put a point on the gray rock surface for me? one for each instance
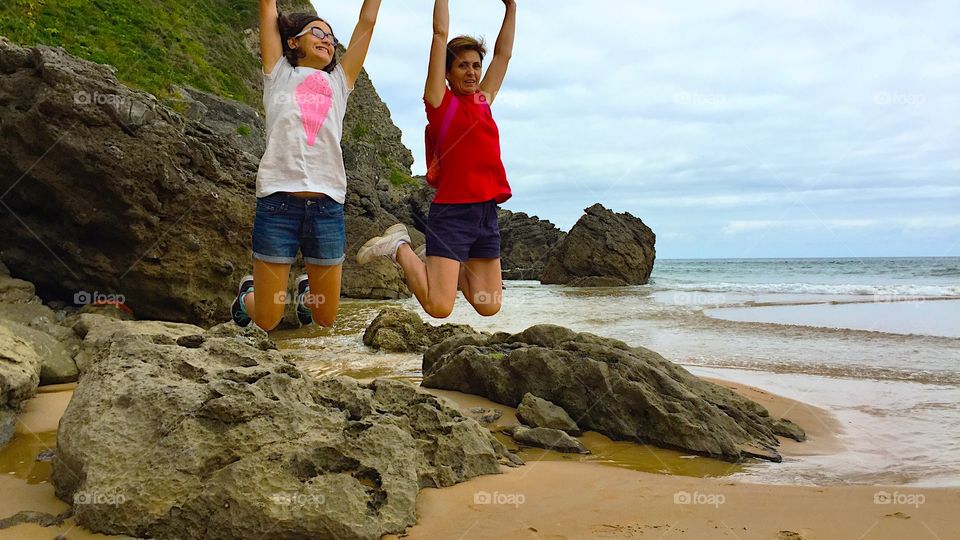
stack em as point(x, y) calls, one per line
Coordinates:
point(221, 437)
point(526, 243)
point(19, 377)
point(537, 412)
point(623, 392)
point(551, 439)
point(603, 244)
point(401, 330)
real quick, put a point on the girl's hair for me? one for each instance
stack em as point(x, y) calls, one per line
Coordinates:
point(292, 24)
point(462, 44)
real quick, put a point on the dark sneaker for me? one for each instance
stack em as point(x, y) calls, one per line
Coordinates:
point(304, 315)
point(238, 311)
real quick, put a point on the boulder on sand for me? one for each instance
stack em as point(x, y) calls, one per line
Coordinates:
point(401, 330)
point(551, 439)
point(623, 392)
point(613, 249)
point(217, 435)
point(536, 412)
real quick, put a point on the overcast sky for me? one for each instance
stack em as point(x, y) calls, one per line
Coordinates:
point(750, 128)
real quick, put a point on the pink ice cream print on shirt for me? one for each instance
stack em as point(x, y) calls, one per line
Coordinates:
point(315, 98)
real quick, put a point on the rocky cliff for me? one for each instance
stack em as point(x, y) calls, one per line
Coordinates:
point(526, 243)
point(107, 191)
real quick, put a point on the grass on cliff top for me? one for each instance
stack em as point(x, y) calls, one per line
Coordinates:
point(152, 43)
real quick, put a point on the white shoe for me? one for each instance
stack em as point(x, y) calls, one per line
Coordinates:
point(385, 245)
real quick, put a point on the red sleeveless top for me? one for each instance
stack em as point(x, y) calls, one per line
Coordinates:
point(471, 169)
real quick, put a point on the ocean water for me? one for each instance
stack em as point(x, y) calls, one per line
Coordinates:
point(873, 341)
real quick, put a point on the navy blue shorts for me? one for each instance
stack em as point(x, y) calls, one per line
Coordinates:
point(286, 223)
point(463, 231)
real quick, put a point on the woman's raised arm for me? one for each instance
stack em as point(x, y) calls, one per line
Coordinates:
point(502, 52)
point(356, 54)
point(271, 45)
point(437, 71)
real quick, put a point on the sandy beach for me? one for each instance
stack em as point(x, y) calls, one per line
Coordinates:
point(553, 497)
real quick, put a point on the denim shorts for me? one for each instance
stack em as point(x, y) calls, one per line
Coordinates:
point(463, 231)
point(286, 223)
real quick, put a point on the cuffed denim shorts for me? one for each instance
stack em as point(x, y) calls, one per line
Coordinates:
point(463, 231)
point(286, 223)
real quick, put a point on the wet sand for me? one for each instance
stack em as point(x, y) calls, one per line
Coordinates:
point(558, 498)
point(929, 317)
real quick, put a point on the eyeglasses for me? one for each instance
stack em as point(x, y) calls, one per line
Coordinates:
point(319, 34)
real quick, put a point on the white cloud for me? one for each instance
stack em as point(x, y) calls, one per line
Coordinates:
point(695, 115)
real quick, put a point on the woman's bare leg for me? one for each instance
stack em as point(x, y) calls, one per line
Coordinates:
point(434, 283)
point(324, 297)
point(270, 287)
point(482, 284)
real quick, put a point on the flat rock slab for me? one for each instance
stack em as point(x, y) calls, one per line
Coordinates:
point(623, 392)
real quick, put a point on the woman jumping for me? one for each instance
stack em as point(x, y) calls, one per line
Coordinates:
point(301, 183)
point(463, 236)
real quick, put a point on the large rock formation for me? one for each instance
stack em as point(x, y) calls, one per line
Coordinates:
point(526, 243)
point(625, 393)
point(106, 190)
point(176, 434)
point(616, 247)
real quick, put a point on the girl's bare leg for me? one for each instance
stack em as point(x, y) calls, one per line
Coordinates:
point(270, 287)
point(324, 297)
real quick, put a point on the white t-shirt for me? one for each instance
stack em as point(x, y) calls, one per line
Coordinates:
point(305, 109)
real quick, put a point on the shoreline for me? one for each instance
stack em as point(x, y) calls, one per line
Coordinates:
point(610, 501)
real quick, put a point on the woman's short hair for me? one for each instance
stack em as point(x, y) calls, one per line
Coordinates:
point(461, 44)
point(292, 24)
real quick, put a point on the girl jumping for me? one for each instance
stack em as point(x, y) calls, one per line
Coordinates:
point(301, 182)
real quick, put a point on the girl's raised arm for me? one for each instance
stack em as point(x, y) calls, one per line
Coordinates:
point(356, 54)
point(437, 72)
point(502, 52)
point(271, 46)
